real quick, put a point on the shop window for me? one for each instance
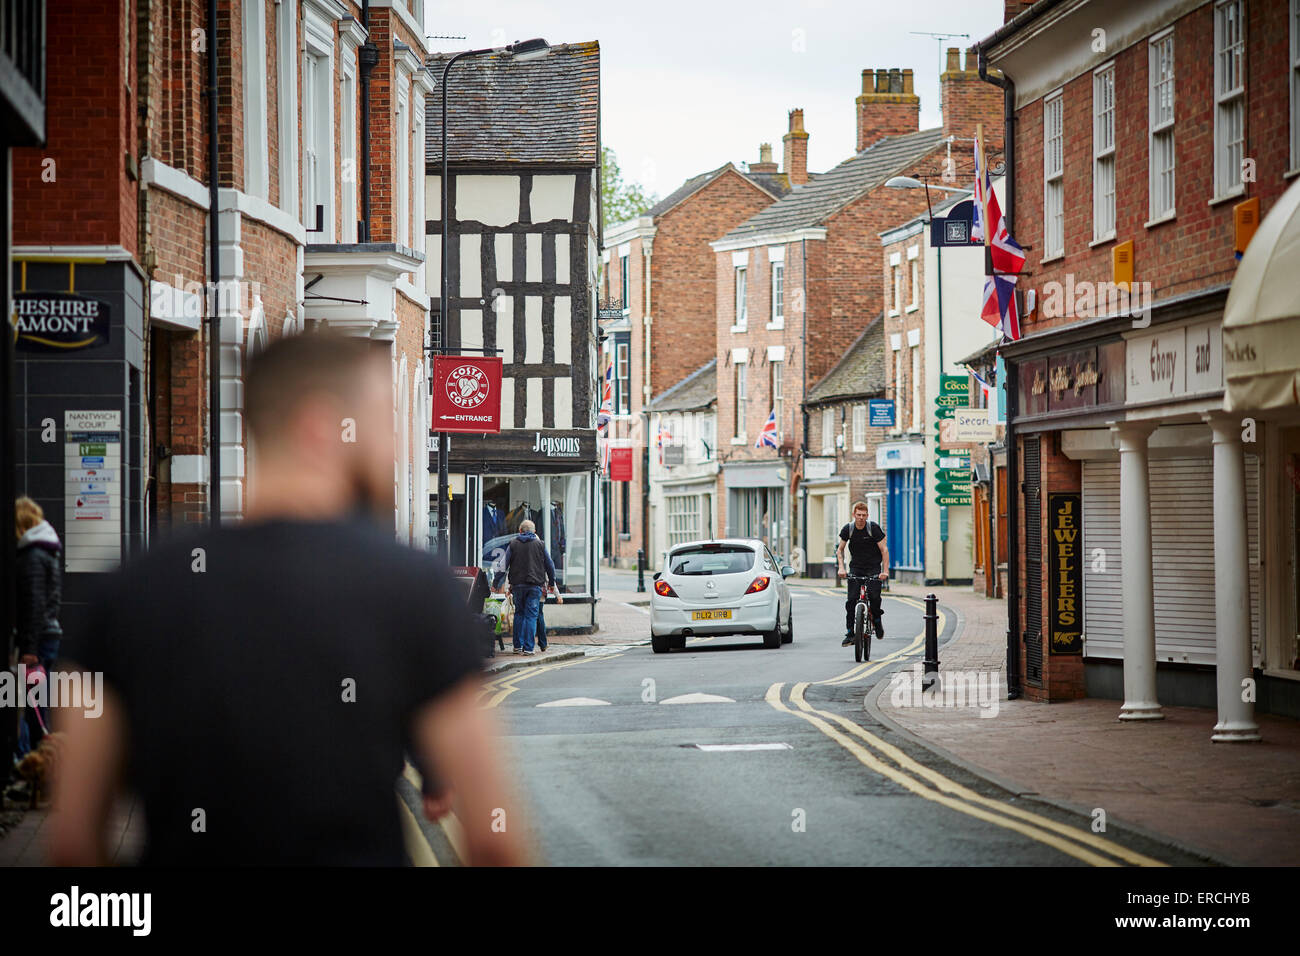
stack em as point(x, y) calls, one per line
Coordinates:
point(556, 504)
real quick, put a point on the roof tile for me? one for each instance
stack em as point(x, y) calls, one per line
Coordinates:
point(543, 111)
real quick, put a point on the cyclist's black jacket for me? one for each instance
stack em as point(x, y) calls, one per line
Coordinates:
point(864, 548)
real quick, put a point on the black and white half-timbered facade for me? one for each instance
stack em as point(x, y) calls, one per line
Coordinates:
point(524, 203)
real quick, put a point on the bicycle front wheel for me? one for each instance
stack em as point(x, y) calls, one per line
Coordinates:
point(861, 647)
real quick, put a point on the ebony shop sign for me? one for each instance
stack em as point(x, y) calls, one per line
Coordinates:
point(527, 447)
point(1065, 572)
point(60, 321)
point(1066, 381)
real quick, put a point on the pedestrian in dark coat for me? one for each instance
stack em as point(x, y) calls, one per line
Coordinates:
point(39, 586)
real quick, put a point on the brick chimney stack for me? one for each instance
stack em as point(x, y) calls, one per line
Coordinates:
point(764, 164)
point(1013, 8)
point(967, 100)
point(887, 106)
point(796, 150)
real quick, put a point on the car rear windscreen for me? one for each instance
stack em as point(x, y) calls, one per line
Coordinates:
point(725, 559)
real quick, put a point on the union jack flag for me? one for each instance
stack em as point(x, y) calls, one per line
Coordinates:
point(999, 308)
point(1005, 251)
point(663, 433)
point(767, 434)
point(606, 411)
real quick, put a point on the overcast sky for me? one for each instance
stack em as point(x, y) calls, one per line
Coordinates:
point(687, 85)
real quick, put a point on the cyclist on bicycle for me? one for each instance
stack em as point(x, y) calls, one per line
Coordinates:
point(868, 561)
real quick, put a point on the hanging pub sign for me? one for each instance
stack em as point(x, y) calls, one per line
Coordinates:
point(60, 321)
point(955, 228)
point(1065, 574)
point(467, 394)
point(620, 464)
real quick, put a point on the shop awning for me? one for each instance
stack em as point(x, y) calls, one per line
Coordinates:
point(1261, 320)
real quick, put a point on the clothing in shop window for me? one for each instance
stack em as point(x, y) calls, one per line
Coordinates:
point(494, 522)
point(558, 541)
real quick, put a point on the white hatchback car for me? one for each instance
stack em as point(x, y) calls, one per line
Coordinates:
point(727, 586)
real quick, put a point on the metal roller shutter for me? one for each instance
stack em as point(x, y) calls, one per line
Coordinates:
point(1183, 570)
point(1103, 597)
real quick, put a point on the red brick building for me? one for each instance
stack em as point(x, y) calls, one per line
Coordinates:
point(800, 281)
point(1149, 141)
point(658, 293)
point(114, 213)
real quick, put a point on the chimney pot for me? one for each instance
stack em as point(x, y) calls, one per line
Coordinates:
point(954, 60)
point(796, 150)
point(888, 105)
point(765, 153)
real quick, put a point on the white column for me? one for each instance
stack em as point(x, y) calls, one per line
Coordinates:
point(1138, 591)
point(1231, 583)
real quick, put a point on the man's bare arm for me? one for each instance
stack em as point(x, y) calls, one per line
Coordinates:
point(884, 560)
point(458, 737)
point(86, 780)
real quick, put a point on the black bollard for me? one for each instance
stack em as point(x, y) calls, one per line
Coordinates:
point(640, 571)
point(931, 641)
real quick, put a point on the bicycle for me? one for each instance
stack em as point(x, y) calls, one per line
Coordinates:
point(863, 626)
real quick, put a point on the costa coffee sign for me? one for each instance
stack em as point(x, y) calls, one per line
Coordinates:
point(466, 394)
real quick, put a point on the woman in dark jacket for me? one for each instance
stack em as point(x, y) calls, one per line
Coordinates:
point(40, 588)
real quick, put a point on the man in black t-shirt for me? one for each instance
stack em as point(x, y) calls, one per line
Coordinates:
point(263, 678)
point(868, 561)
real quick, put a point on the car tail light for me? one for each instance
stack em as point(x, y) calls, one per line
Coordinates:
point(664, 589)
point(759, 583)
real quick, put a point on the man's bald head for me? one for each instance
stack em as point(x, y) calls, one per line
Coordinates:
point(320, 411)
point(293, 370)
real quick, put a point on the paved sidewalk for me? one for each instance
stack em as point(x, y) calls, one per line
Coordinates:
point(1238, 803)
point(25, 836)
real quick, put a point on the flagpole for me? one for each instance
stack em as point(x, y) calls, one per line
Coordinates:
point(985, 181)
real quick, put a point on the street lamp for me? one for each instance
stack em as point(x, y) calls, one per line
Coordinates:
point(907, 182)
point(519, 51)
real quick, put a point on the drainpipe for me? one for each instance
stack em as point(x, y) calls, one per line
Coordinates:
point(1013, 452)
point(367, 60)
point(214, 270)
point(646, 390)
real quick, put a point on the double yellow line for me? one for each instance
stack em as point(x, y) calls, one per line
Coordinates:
point(929, 784)
point(867, 668)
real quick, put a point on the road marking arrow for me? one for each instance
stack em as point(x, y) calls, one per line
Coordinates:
point(576, 702)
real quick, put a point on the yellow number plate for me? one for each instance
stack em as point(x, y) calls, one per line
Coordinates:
point(723, 614)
